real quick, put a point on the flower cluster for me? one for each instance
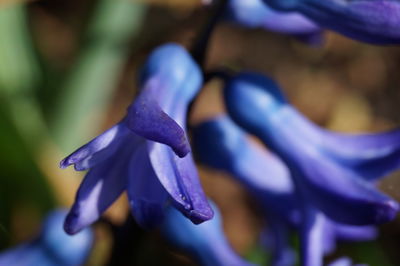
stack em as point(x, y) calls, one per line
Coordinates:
point(223, 145)
point(315, 182)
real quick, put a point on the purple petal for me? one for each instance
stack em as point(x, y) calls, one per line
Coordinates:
point(268, 179)
point(355, 233)
point(342, 196)
point(311, 237)
point(180, 179)
point(376, 22)
point(328, 237)
point(290, 23)
point(369, 155)
point(255, 13)
point(101, 186)
point(332, 186)
point(221, 144)
point(147, 119)
point(97, 150)
point(147, 196)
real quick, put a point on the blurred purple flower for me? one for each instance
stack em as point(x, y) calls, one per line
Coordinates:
point(132, 155)
point(330, 170)
point(371, 21)
point(223, 145)
point(205, 242)
point(52, 246)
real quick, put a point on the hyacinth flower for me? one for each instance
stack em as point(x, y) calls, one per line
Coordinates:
point(330, 170)
point(147, 153)
point(223, 145)
point(52, 246)
point(371, 21)
point(205, 243)
point(257, 14)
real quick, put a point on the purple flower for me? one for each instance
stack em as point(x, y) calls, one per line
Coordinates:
point(330, 170)
point(206, 242)
point(147, 153)
point(221, 144)
point(52, 246)
point(371, 21)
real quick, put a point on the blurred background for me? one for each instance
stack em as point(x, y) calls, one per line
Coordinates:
point(68, 71)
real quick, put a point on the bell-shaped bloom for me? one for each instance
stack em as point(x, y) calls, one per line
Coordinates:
point(221, 144)
point(52, 246)
point(205, 243)
point(147, 153)
point(371, 21)
point(330, 170)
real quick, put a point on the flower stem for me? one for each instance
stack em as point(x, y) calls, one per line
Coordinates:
point(199, 49)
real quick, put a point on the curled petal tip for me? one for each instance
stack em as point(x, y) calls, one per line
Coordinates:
point(64, 164)
point(374, 213)
point(183, 149)
point(98, 149)
point(73, 223)
point(199, 217)
point(73, 160)
point(149, 121)
point(70, 224)
point(69, 160)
